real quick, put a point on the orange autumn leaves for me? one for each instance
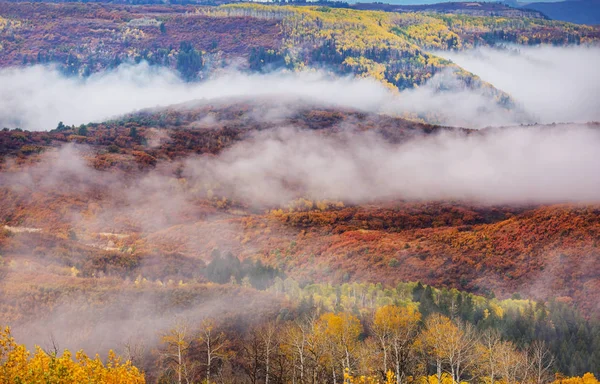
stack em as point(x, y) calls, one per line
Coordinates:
point(588, 378)
point(18, 365)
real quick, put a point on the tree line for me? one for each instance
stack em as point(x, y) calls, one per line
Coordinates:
point(394, 344)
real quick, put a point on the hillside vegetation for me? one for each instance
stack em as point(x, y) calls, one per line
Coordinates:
point(105, 217)
point(504, 249)
point(391, 47)
point(278, 241)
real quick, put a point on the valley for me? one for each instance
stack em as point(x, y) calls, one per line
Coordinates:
point(298, 193)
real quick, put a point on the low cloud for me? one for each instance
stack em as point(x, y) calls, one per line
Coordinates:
point(36, 98)
point(529, 164)
point(551, 84)
point(131, 317)
point(511, 165)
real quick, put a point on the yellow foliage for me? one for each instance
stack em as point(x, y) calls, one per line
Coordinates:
point(18, 365)
point(8, 24)
point(132, 33)
point(588, 378)
point(446, 379)
point(497, 310)
point(354, 34)
point(434, 34)
point(396, 318)
point(389, 379)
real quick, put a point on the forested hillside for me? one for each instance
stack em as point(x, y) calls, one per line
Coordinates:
point(251, 193)
point(391, 47)
point(137, 230)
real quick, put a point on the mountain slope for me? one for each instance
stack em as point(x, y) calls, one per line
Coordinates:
point(197, 41)
point(119, 169)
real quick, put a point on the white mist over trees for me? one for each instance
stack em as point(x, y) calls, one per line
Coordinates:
point(36, 98)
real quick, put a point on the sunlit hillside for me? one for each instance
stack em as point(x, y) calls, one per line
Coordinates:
point(295, 193)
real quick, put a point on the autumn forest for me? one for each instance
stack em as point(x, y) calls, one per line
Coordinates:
point(298, 193)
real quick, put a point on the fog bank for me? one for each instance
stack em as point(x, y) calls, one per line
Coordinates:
point(517, 165)
point(550, 84)
point(532, 164)
point(554, 84)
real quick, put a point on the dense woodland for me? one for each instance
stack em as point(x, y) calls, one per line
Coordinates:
point(391, 47)
point(353, 333)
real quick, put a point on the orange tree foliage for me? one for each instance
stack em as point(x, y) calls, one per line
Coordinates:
point(172, 133)
point(18, 365)
point(588, 378)
point(389, 379)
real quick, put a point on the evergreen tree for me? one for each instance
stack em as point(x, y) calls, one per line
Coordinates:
point(189, 61)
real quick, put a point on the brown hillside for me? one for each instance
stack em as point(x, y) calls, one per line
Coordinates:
point(117, 203)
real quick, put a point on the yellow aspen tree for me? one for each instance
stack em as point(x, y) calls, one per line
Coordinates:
point(397, 329)
point(342, 331)
point(215, 344)
point(267, 335)
point(177, 344)
point(18, 365)
point(513, 364)
point(490, 361)
point(433, 340)
point(541, 361)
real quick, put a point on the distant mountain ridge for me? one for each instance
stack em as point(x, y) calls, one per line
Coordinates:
point(459, 8)
point(573, 11)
